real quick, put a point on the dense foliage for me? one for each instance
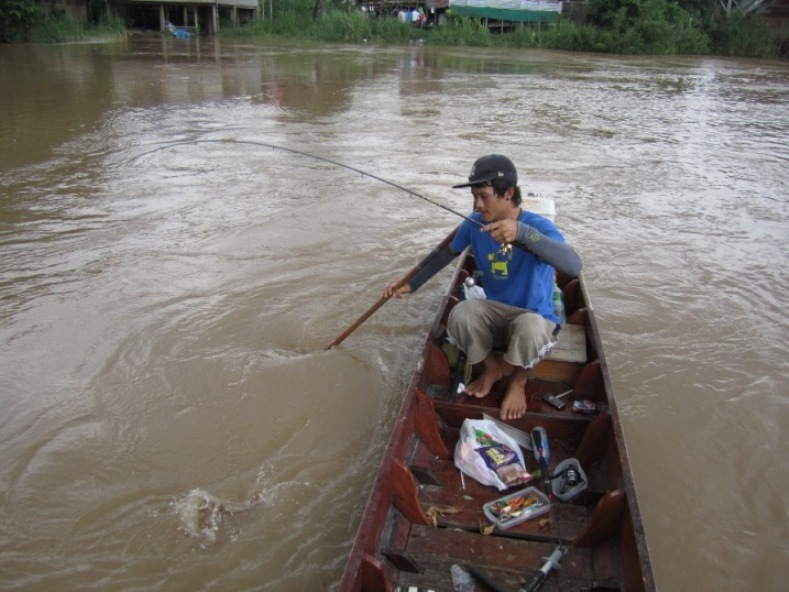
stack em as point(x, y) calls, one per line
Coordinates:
point(16, 18)
point(40, 22)
point(656, 27)
point(645, 27)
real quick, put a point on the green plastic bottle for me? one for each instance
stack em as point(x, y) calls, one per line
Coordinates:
point(558, 303)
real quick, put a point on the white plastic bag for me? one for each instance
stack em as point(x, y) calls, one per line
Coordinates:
point(488, 455)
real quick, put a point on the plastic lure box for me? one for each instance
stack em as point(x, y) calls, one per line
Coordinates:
point(517, 507)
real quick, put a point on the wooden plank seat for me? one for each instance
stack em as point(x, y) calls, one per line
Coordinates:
point(570, 345)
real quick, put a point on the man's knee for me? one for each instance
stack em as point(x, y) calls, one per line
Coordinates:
point(467, 310)
point(463, 324)
point(532, 328)
point(457, 314)
point(529, 323)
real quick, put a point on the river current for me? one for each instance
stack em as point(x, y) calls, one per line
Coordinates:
point(171, 419)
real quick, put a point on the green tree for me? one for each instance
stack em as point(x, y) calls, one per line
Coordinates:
point(648, 27)
point(609, 14)
point(16, 18)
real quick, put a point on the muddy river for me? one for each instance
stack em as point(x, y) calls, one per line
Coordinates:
point(174, 264)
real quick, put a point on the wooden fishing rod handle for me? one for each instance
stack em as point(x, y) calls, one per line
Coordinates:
point(372, 309)
point(358, 322)
point(397, 286)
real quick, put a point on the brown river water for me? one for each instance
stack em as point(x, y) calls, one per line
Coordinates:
point(171, 419)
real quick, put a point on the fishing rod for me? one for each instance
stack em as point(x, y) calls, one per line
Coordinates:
point(316, 157)
point(383, 299)
point(506, 248)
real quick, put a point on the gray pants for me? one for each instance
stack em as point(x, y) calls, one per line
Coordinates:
point(479, 326)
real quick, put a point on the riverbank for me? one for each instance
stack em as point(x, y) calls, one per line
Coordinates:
point(657, 28)
point(43, 26)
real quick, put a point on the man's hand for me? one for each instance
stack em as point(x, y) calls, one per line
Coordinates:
point(502, 231)
point(390, 291)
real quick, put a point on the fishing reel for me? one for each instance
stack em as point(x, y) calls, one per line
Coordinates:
point(569, 479)
point(504, 252)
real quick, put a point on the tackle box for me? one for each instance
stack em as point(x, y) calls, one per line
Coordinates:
point(509, 510)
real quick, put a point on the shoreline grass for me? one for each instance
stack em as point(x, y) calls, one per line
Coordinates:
point(658, 28)
point(63, 28)
point(738, 37)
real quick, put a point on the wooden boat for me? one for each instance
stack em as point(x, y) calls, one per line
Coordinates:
point(422, 517)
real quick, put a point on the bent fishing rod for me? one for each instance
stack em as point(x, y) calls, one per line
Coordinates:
point(506, 248)
point(308, 155)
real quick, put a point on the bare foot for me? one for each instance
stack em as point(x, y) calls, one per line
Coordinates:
point(481, 386)
point(514, 404)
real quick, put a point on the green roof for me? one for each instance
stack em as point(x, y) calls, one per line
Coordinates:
point(518, 11)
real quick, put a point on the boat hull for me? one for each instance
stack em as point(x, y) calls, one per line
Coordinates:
point(423, 516)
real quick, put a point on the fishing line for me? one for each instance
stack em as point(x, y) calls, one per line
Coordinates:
point(316, 157)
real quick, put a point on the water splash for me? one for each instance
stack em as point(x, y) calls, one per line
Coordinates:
point(201, 513)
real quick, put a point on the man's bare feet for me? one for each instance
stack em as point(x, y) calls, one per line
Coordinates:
point(514, 404)
point(490, 374)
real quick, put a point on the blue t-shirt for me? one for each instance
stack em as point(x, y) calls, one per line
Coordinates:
point(523, 280)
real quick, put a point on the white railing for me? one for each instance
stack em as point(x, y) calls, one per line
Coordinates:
point(542, 5)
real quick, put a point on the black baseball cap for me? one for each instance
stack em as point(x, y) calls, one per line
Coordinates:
point(487, 168)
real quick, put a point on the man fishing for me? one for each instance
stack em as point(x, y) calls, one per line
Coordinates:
point(517, 314)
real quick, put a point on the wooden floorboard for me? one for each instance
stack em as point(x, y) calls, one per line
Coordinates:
point(509, 562)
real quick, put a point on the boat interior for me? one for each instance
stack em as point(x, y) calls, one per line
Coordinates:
point(429, 516)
